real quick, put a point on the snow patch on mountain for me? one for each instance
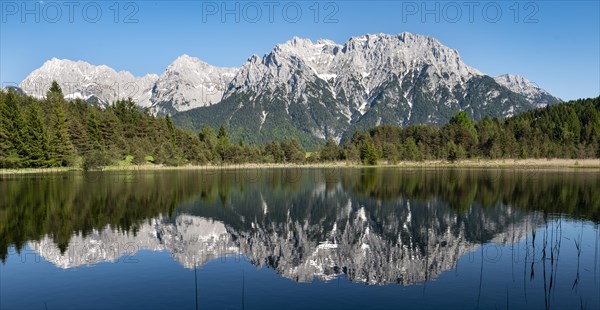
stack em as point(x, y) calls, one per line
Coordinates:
point(190, 83)
point(407, 73)
point(81, 80)
point(529, 90)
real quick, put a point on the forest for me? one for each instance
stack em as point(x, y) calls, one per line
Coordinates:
point(55, 132)
point(566, 130)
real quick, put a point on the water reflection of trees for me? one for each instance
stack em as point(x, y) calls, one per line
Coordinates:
point(570, 193)
point(60, 205)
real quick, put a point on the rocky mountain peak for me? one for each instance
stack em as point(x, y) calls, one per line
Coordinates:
point(79, 79)
point(321, 89)
point(189, 83)
point(529, 90)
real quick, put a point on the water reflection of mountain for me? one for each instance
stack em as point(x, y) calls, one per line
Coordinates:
point(190, 240)
point(416, 242)
point(375, 226)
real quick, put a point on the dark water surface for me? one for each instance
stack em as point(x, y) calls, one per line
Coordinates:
point(300, 239)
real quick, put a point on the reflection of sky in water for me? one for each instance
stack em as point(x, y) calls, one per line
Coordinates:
point(317, 245)
point(152, 279)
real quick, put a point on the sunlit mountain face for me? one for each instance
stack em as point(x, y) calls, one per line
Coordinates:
point(372, 226)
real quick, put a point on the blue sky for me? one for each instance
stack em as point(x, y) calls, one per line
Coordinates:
point(555, 44)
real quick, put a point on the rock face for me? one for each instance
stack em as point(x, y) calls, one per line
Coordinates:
point(80, 80)
point(520, 85)
point(189, 83)
point(309, 90)
point(415, 244)
point(320, 90)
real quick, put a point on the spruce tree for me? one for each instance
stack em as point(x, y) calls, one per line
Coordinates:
point(293, 151)
point(61, 148)
point(55, 93)
point(222, 133)
point(274, 149)
point(411, 151)
point(5, 143)
point(13, 126)
point(223, 144)
point(78, 136)
point(371, 154)
point(171, 130)
point(330, 151)
point(368, 153)
point(95, 141)
point(36, 138)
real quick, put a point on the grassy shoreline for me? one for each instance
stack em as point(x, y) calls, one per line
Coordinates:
point(507, 163)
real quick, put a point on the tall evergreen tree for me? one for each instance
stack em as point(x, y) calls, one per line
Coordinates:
point(79, 136)
point(95, 140)
point(61, 148)
point(13, 127)
point(5, 143)
point(368, 153)
point(274, 149)
point(171, 130)
point(411, 151)
point(223, 144)
point(54, 94)
point(36, 138)
point(330, 151)
point(293, 151)
point(222, 133)
point(112, 133)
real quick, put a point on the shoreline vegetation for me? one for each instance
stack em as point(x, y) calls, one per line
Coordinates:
point(552, 164)
point(55, 134)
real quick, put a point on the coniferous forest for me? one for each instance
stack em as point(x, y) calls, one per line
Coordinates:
point(55, 132)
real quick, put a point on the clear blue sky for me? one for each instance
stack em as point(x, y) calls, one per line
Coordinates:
point(553, 43)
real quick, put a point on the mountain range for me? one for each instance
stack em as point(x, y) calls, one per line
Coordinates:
point(307, 90)
point(398, 250)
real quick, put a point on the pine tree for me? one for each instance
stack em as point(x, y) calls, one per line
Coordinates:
point(5, 143)
point(36, 138)
point(293, 151)
point(61, 148)
point(274, 149)
point(13, 127)
point(371, 155)
point(462, 119)
point(112, 133)
point(330, 151)
point(222, 133)
point(170, 153)
point(78, 136)
point(208, 138)
point(171, 130)
point(55, 93)
point(368, 153)
point(390, 152)
point(411, 151)
point(95, 141)
point(452, 152)
point(223, 144)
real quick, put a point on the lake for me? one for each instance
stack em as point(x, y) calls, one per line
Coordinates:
point(301, 238)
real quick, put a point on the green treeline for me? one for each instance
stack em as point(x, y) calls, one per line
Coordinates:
point(567, 130)
point(54, 132)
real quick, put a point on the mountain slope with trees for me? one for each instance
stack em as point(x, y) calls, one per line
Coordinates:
point(55, 132)
point(308, 91)
point(566, 130)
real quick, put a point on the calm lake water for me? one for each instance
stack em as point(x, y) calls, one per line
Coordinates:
point(301, 238)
